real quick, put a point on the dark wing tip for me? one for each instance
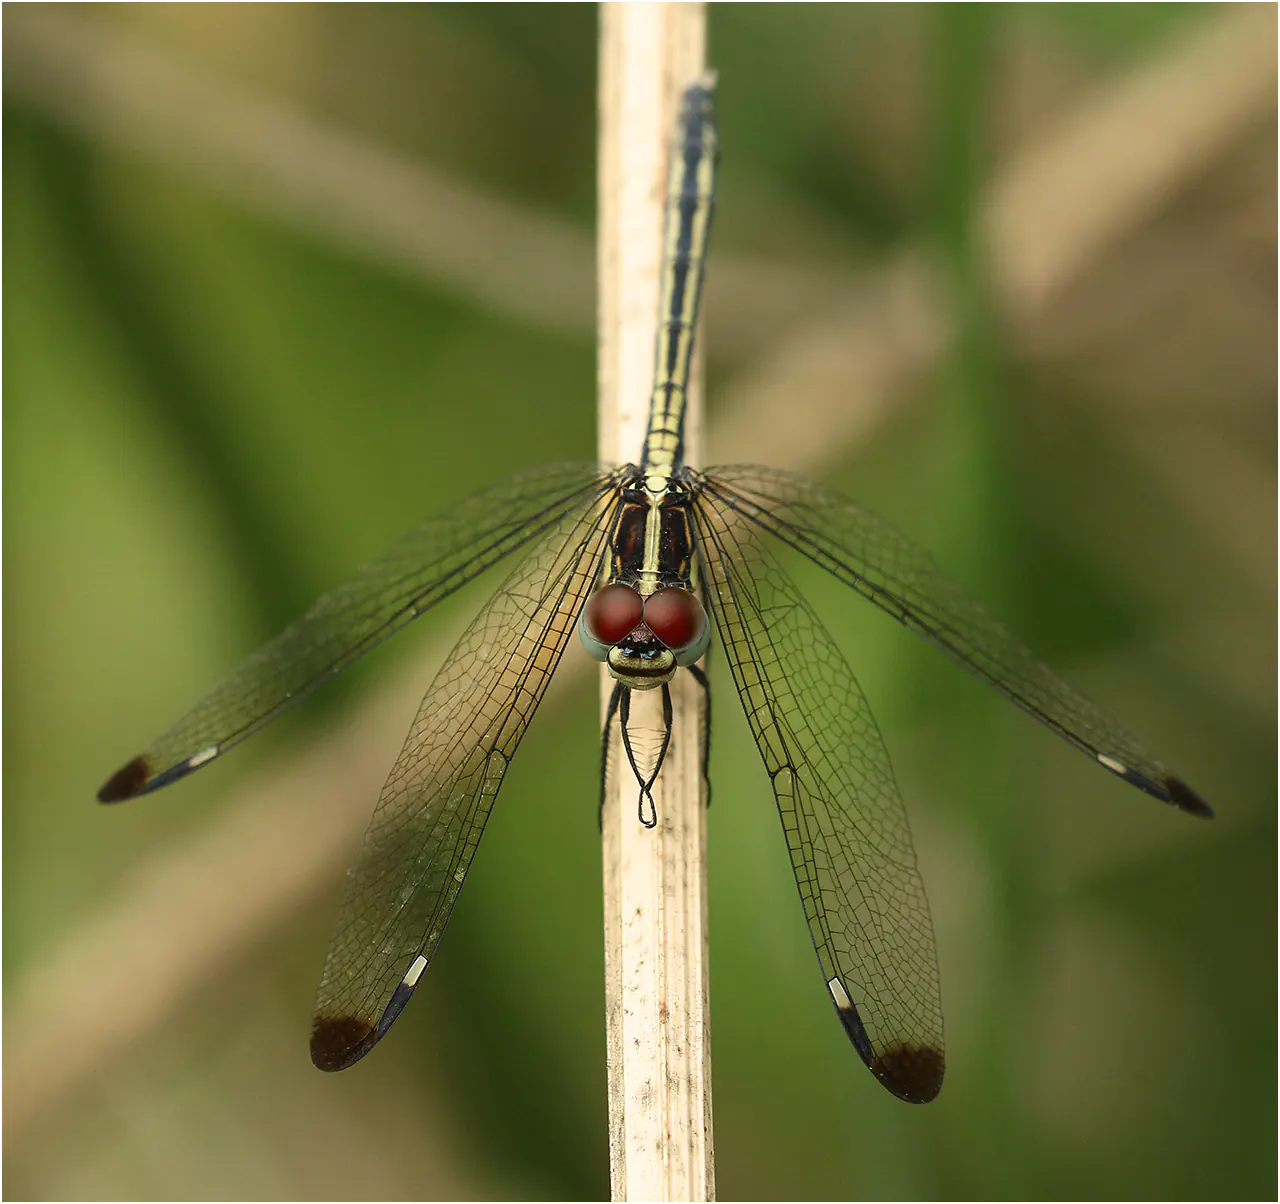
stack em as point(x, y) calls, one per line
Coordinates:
point(1163, 786)
point(912, 1072)
point(1183, 797)
point(341, 1041)
point(127, 782)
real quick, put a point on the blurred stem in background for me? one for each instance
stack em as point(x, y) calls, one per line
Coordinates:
point(979, 536)
point(182, 406)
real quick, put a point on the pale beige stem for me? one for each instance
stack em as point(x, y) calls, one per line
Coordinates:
point(655, 892)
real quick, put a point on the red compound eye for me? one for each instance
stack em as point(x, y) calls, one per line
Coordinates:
point(676, 617)
point(612, 612)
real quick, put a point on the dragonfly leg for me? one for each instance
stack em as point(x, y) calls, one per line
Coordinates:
point(649, 819)
point(614, 699)
point(700, 676)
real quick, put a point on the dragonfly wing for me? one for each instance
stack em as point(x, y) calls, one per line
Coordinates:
point(886, 568)
point(433, 808)
point(429, 564)
point(846, 828)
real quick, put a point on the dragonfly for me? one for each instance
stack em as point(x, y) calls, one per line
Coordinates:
point(643, 562)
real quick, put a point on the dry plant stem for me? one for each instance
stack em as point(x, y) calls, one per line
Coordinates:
point(655, 896)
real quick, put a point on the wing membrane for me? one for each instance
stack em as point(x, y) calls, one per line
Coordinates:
point(846, 828)
point(884, 566)
point(429, 564)
point(433, 808)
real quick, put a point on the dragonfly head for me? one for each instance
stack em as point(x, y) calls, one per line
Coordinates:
point(644, 640)
point(641, 661)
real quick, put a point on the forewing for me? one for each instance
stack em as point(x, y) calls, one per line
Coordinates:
point(846, 828)
point(888, 569)
point(433, 808)
point(429, 564)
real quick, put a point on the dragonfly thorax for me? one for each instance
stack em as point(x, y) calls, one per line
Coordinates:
point(648, 621)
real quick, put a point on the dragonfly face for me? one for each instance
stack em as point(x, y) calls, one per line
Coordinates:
point(644, 640)
point(636, 559)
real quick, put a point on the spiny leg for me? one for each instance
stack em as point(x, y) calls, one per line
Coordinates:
point(646, 784)
point(618, 690)
point(700, 676)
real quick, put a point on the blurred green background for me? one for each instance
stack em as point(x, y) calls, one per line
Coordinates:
point(282, 280)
